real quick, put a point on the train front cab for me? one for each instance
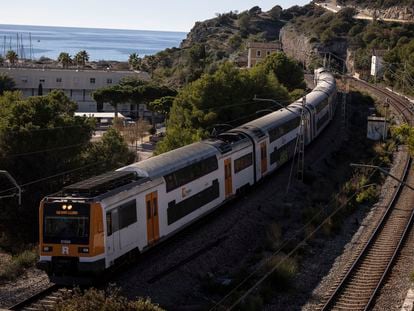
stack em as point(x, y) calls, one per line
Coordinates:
point(71, 240)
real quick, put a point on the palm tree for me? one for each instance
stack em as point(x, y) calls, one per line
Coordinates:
point(134, 60)
point(81, 58)
point(65, 59)
point(12, 57)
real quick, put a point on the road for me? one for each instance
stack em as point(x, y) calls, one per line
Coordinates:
point(331, 6)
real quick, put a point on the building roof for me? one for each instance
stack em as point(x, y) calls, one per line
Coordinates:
point(99, 115)
point(265, 45)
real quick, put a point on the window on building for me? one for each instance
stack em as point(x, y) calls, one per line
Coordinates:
point(258, 53)
point(92, 80)
point(58, 80)
point(24, 79)
point(268, 53)
point(108, 81)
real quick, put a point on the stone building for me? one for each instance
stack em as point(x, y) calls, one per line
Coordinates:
point(257, 51)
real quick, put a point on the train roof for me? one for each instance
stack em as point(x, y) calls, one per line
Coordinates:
point(171, 161)
point(229, 141)
point(101, 184)
point(269, 121)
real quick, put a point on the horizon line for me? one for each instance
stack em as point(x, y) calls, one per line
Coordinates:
point(100, 28)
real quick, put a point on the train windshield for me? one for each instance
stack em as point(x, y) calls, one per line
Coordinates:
point(66, 223)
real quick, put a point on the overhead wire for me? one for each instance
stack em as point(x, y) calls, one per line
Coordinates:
point(219, 304)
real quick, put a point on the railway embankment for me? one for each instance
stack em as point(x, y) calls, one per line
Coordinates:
point(242, 236)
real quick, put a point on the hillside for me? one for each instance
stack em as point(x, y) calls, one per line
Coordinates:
point(307, 37)
point(214, 41)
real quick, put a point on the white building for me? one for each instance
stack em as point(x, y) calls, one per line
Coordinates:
point(377, 62)
point(78, 85)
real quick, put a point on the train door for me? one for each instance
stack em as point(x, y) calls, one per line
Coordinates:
point(153, 228)
point(227, 177)
point(263, 157)
point(113, 245)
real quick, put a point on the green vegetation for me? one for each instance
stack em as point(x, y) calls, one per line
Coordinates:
point(65, 59)
point(226, 97)
point(362, 37)
point(81, 58)
point(404, 134)
point(109, 300)
point(134, 91)
point(12, 57)
point(44, 147)
point(11, 269)
point(6, 84)
point(213, 42)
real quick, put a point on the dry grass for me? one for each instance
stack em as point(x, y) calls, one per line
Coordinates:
point(12, 267)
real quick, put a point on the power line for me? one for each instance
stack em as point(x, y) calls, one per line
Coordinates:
point(260, 266)
point(53, 176)
point(43, 151)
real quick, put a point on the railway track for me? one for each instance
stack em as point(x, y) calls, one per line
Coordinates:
point(42, 300)
point(360, 284)
point(402, 106)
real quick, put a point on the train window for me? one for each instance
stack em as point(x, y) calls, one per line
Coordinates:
point(127, 214)
point(284, 153)
point(176, 211)
point(243, 162)
point(322, 121)
point(322, 105)
point(283, 129)
point(109, 223)
point(189, 173)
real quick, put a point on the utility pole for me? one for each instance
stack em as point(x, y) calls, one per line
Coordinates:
point(13, 181)
point(301, 142)
point(384, 131)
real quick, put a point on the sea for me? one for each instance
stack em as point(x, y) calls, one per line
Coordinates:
point(101, 44)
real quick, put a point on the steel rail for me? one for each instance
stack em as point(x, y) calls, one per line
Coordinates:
point(332, 300)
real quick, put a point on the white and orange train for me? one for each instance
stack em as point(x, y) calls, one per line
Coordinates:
point(89, 226)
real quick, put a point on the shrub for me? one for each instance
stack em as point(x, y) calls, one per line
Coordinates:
point(27, 258)
point(286, 269)
point(273, 236)
point(108, 300)
point(16, 266)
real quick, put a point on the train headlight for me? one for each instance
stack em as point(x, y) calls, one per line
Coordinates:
point(69, 207)
point(83, 250)
point(47, 249)
point(64, 206)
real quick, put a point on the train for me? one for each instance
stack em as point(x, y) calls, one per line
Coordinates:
point(90, 226)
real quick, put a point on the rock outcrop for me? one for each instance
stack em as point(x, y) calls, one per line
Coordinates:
point(304, 49)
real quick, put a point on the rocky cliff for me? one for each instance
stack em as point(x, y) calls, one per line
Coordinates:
point(306, 49)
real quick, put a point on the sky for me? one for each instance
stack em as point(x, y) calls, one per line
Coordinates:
point(165, 15)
